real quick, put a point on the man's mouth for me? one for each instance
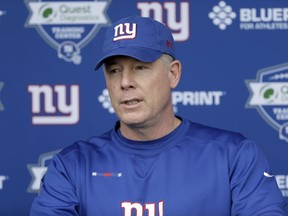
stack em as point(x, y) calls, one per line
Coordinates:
point(130, 102)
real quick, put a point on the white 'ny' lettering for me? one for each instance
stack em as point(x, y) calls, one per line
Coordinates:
point(69, 112)
point(180, 29)
point(124, 31)
point(139, 208)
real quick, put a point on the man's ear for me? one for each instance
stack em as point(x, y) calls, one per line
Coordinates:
point(175, 70)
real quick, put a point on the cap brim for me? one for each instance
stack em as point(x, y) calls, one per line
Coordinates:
point(139, 53)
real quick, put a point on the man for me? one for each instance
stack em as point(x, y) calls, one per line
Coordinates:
point(154, 163)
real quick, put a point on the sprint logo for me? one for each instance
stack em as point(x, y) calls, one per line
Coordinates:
point(197, 98)
point(184, 98)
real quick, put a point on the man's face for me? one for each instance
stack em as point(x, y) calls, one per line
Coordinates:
point(140, 92)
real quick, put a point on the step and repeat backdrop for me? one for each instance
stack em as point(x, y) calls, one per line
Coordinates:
point(235, 76)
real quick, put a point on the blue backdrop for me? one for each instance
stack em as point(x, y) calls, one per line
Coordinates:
point(235, 76)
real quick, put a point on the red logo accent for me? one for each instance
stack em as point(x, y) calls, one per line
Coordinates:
point(169, 44)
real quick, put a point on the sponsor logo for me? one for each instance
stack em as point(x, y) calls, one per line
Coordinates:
point(2, 179)
point(106, 174)
point(183, 98)
point(2, 12)
point(282, 181)
point(261, 18)
point(67, 26)
point(196, 98)
point(104, 99)
point(269, 95)
point(1, 104)
point(37, 171)
point(222, 15)
point(138, 208)
point(177, 16)
point(49, 104)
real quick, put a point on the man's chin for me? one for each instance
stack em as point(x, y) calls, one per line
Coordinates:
point(133, 120)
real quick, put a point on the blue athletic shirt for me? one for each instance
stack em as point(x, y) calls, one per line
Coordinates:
point(193, 171)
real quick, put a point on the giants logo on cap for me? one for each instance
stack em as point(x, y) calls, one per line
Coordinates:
point(124, 31)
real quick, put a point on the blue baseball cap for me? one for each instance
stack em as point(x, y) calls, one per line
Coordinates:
point(138, 37)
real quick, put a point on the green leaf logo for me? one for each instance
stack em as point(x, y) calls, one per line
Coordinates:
point(47, 12)
point(268, 93)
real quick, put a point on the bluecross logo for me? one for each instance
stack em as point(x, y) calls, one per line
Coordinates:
point(222, 15)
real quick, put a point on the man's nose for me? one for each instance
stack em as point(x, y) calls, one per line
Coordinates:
point(127, 80)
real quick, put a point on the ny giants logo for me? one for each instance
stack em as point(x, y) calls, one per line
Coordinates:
point(177, 22)
point(124, 31)
point(49, 104)
point(139, 208)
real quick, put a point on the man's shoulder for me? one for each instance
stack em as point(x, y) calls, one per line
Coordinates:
point(211, 134)
point(84, 146)
point(217, 140)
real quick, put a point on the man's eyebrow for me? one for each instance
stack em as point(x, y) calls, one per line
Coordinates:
point(110, 62)
point(114, 61)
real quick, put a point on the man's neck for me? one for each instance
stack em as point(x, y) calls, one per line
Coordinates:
point(145, 133)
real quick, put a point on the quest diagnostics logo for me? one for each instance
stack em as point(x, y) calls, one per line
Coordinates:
point(179, 98)
point(269, 95)
point(67, 26)
point(47, 14)
point(249, 18)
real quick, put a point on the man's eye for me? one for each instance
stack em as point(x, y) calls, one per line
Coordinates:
point(114, 70)
point(140, 67)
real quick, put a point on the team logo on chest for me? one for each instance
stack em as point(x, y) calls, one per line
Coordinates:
point(152, 209)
